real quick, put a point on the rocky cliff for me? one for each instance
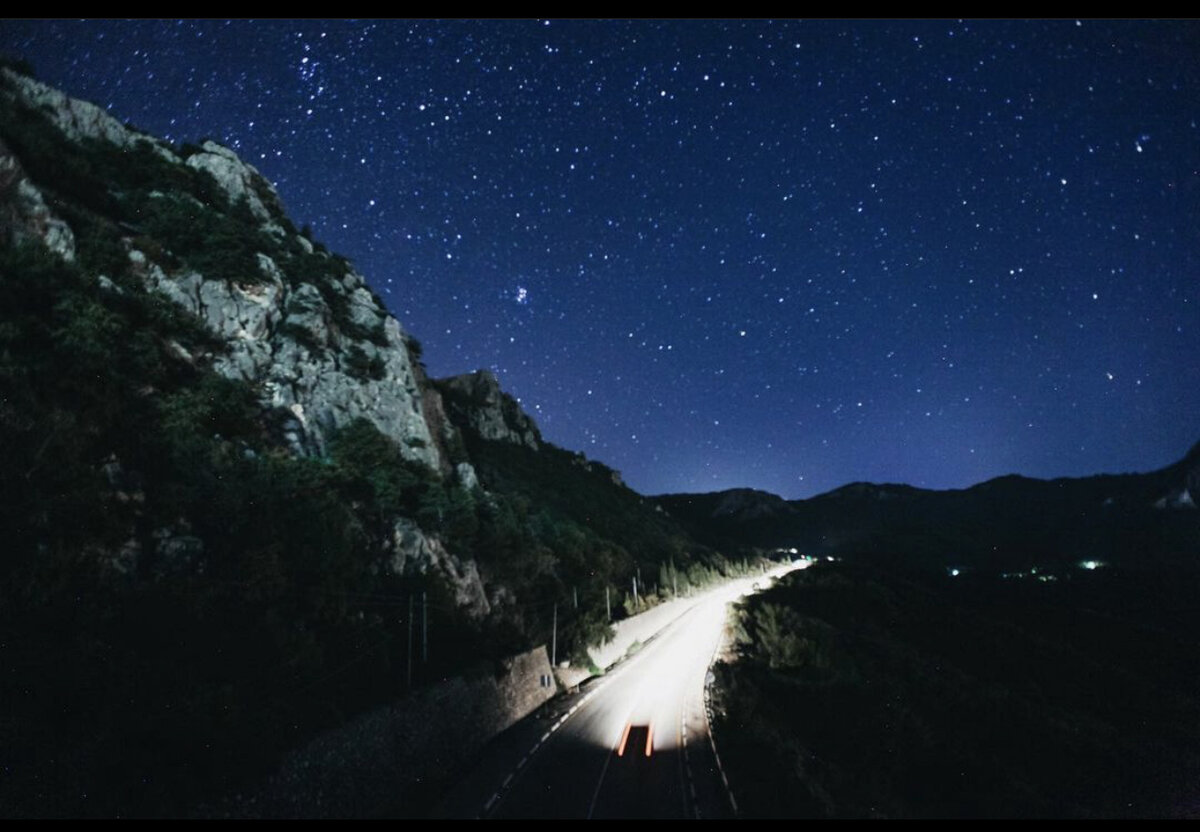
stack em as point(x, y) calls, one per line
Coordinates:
point(299, 324)
point(236, 512)
point(477, 402)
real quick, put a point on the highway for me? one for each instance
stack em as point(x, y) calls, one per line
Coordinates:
point(634, 744)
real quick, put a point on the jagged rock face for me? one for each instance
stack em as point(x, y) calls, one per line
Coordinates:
point(78, 120)
point(297, 324)
point(467, 477)
point(238, 179)
point(599, 469)
point(412, 552)
point(327, 369)
point(310, 375)
point(476, 401)
point(24, 214)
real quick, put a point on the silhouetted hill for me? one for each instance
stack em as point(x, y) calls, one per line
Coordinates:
point(1007, 523)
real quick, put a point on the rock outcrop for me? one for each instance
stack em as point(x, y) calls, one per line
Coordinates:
point(476, 400)
point(284, 339)
point(302, 327)
point(412, 552)
point(78, 120)
point(24, 214)
point(238, 179)
point(299, 325)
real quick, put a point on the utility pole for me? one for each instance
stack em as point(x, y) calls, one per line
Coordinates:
point(607, 605)
point(674, 582)
point(635, 598)
point(410, 637)
point(424, 628)
point(554, 639)
point(575, 596)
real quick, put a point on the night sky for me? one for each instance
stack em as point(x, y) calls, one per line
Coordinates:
point(778, 255)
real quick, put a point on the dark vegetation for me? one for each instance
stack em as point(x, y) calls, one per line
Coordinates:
point(19, 65)
point(865, 693)
point(561, 530)
point(181, 601)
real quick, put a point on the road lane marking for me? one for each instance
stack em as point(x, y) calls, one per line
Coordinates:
point(596, 794)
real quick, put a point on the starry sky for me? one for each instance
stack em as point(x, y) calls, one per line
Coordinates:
point(783, 255)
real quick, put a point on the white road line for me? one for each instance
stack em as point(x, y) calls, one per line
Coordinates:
point(596, 794)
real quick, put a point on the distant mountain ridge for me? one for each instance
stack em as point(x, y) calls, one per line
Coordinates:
point(1147, 519)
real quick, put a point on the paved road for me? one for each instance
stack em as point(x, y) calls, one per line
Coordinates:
point(636, 744)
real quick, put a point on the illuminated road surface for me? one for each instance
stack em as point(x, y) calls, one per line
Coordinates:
point(665, 768)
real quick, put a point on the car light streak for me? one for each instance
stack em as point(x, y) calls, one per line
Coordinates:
point(624, 739)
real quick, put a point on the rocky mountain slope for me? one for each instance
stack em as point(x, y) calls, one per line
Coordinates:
point(208, 231)
point(229, 492)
